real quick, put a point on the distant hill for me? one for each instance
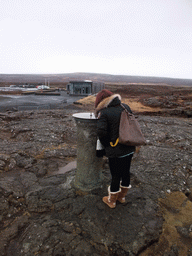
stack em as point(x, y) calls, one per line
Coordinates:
point(7, 79)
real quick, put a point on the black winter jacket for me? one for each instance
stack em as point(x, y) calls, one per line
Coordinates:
point(109, 112)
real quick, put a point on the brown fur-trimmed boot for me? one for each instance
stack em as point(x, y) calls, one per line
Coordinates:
point(123, 193)
point(111, 199)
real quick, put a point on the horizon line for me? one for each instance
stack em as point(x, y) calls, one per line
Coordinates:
point(54, 74)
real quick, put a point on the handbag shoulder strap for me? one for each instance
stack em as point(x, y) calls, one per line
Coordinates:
point(125, 109)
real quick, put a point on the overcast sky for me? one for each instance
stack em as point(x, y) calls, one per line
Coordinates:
point(128, 37)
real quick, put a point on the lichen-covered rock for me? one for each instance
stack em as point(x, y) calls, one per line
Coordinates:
point(23, 160)
point(61, 220)
point(4, 205)
point(2, 165)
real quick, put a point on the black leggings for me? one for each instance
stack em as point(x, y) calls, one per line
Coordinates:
point(119, 168)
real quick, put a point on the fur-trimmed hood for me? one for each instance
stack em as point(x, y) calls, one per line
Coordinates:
point(106, 102)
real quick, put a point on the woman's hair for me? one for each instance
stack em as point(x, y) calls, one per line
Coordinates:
point(101, 96)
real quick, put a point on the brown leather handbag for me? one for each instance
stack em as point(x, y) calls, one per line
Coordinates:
point(129, 130)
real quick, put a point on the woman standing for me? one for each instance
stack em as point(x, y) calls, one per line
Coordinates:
point(108, 110)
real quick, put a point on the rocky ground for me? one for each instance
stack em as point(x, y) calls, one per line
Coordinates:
point(41, 212)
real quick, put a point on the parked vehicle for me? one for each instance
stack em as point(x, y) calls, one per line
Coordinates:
point(43, 87)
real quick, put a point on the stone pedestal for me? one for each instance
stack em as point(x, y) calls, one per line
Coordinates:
point(89, 167)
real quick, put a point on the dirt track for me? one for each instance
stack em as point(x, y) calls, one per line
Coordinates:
point(35, 102)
